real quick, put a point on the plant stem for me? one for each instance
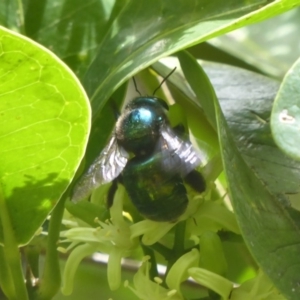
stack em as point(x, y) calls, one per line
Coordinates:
point(161, 249)
point(6, 282)
point(178, 247)
point(11, 255)
point(51, 277)
point(20, 12)
point(153, 269)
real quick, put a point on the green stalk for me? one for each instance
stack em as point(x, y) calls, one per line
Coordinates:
point(20, 12)
point(162, 250)
point(178, 247)
point(51, 278)
point(11, 255)
point(6, 282)
point(153, 268)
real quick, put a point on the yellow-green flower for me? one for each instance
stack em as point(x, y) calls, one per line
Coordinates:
point(146, 289)
point(212, 281)
point(112, 237)
point(258, 288)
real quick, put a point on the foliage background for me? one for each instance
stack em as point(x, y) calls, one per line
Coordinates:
point(105, 43)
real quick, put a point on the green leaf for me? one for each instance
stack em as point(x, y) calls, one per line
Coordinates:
point(141, 34)
point(259, 175)
point(44, 125)
point(72, 29)
point(190, 107)
point(200, 84)
point(246, 99)
point(285, 118)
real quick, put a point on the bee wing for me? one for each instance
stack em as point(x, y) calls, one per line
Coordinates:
point(106, 167)
point(178, 155)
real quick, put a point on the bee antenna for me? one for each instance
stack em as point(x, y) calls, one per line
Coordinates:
point(135, 86)
point(164, 80)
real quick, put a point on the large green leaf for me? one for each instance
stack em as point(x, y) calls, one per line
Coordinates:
point(246, 101)
point(260, 176)
point(44, 124)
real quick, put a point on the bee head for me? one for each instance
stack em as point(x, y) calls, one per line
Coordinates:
point(138, 127)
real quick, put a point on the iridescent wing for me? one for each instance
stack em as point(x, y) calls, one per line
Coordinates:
point(178, 155)
point(106, 167)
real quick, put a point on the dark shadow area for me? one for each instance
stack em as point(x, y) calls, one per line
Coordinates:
point(29, 205)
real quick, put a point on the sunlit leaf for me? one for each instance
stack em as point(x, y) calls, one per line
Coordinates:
point(156, 31)
point(44, 124)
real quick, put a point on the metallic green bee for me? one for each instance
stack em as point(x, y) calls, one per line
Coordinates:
point(159, 165)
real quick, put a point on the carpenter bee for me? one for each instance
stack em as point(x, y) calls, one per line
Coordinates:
point(150, 158)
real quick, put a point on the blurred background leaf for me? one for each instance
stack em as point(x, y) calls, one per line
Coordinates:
point(271, 46)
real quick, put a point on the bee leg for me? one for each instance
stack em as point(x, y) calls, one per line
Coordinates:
point(111, 193)
point(195, 180)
